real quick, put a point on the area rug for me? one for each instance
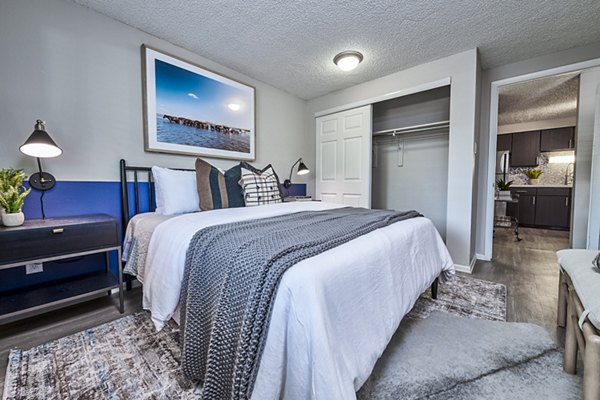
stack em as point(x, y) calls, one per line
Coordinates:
point(467, 297)
point(127, 359)
point(122, 359)
point(450, 357)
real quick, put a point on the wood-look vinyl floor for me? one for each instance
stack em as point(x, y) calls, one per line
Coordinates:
point(528, 268)
point(530, 272)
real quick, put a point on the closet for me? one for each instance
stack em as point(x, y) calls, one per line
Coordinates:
point(410, 154)
point(391, 154)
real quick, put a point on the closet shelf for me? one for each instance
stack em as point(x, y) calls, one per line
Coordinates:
point(413, 129)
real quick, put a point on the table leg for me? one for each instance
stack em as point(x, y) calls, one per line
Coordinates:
point(121, 299)
point(107, 258)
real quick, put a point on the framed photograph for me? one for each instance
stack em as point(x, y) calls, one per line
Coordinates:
point(191, 110)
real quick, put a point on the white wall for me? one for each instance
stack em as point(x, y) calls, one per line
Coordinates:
point(521, 68)
point(594, 224)
point(80, 71)
point(422, 181)
point(462, 68)
point(582, 192)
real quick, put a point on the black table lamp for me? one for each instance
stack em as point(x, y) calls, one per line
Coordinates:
point(302, 170)
point(40, 145)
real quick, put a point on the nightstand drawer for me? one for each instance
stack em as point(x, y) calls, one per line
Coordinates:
point(56, 237)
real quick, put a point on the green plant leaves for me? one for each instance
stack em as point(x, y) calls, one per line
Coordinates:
point(502, 185)
point(533, 173)
point(12, 191)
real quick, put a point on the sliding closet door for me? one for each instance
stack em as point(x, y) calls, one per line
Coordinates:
point(344, 157)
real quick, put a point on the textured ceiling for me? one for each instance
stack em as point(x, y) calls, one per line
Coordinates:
point(291, 44)
point(539, 100)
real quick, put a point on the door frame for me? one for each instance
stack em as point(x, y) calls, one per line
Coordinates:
point(493, 133)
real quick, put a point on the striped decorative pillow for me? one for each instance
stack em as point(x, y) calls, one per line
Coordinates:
point(217, 189)
point(260, 187)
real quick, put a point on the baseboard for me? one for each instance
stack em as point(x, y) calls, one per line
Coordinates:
point(482, 257)
point(468, 269)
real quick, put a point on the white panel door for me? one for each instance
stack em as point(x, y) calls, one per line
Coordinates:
point(344, 157)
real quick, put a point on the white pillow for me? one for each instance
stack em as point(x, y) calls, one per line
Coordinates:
point(176, 191)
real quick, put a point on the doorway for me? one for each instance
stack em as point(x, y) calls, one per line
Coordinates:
point(590, 77)
point(535, 161)
point(535, 140)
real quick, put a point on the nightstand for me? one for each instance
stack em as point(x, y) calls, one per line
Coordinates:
point(44, 240)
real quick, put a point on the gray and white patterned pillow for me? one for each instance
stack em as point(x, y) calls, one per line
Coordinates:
point(260, 187)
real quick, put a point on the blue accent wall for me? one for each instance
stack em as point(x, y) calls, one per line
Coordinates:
point(297, 189)
point(82, 198)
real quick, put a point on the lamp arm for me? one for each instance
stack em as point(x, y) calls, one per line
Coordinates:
point(39, 163)
point(292, 169)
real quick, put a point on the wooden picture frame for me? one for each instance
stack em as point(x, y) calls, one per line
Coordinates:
point(191, 110)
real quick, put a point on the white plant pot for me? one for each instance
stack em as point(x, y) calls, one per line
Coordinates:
point(504, 195)
point(534, 181)
point(14, 219)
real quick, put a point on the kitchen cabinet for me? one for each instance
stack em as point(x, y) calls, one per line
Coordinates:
point(525, 149)
point(504, 142)
point(544, 207)
point(526, 205)
point(557, 139)
point(553, 207)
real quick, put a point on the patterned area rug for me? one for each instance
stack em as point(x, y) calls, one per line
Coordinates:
point(127, 359)
point(466, 297)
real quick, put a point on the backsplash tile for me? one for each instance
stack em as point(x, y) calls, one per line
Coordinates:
point(552, 174)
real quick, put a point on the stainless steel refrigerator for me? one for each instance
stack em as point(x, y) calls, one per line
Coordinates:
point(502, 164)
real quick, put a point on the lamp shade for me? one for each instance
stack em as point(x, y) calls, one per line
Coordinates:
point(40, 144)
point(302, 169)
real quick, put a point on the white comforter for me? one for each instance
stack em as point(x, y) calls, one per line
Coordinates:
point(333, 314)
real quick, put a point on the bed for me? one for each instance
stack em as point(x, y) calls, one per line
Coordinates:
point(333, 314)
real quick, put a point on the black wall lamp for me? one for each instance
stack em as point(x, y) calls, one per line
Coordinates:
point(40, 145)
point(302, 170)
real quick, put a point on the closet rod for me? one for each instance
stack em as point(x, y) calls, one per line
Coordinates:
point(412, 129)
point(390, 139)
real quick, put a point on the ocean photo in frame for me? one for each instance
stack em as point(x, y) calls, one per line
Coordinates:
point(193, 111)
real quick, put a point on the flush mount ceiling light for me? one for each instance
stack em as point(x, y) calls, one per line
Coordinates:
point(348, 60)
point(234, 107)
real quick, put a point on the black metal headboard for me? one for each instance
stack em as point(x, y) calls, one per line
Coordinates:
point(125, 215)
point(146, 172)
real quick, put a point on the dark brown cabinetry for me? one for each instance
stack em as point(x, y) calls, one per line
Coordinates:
point(557, 139)
point(553, 207)
point(526, 205)
point(544, 207)
point(525, 149)
point(504, 142)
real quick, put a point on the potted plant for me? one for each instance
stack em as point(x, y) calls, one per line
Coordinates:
point(503, 189)
point(12, 196)
point(534, 176)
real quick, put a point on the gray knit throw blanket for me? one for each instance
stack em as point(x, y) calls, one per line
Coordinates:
point(232, 272)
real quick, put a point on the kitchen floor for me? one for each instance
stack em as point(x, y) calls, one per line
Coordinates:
point(529, 270)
